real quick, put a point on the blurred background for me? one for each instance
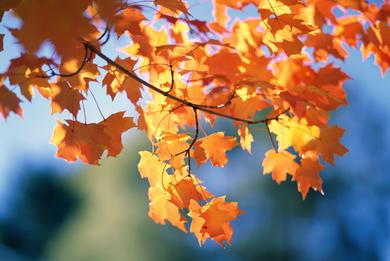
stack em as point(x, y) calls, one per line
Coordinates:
point(53, 210)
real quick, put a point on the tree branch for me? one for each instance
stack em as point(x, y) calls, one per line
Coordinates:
point(200, 107)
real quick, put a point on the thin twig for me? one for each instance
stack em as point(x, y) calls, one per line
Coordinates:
point(97, 105)
point(199, 107)
point(270, 137)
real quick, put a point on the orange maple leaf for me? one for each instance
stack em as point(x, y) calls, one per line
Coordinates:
point(161, 208)
point(87, 142)
point(185, 190)
point(279, 164)
point(9, 102)
point(214, 147)
point(63, 97)
point(307, 175)
point(176, 6)
point(213, 220)
point(114, 126)
point(328, 143)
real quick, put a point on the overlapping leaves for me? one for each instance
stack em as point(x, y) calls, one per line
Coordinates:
point(180, 73)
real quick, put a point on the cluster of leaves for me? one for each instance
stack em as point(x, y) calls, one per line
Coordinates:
point(179, 72)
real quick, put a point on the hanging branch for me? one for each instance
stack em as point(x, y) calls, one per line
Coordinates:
point(199, 107)
point(87, 57)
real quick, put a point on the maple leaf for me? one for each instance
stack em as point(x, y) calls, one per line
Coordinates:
point(218, 66)
point(192, 71)
point(212, 220)
point(129, 20)
point(116, 82)
point(247, 104)
point(349, 29)
point(307, 175)
point(154, 174)
point(185, 190)
point(377, 41)
point(78, 140)
point(25, 71)
point(328, 143)
point(171, 147)
point(175, 6)
point(283, 26)
point(356, 4)
point(324, 45)
point(279, 164)
point(216, 154)
point(293, 132)
point(87, 142)
point(246, 138)
point(81, 81)
point(58, 25)
point(161, 209)
point(9, 102)
point(274, 7)
point(167, 195)
point(64, 97)
point(114, 126)
point(105, 8)
point(157, 120)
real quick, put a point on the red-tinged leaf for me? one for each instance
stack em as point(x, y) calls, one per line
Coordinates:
point(129, 20)
point(176, 6)
point(325, 44)
point(9, 102)
point(132, 89)
point(218, 66)
point(308, 174)
point(107, 9)
point(349, 29)
point(355, 4)
point(377, 42)
point(199, 154)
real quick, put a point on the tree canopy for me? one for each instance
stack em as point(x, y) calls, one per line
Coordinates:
point(274, 65)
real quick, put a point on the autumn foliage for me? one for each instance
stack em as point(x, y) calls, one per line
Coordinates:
point(180, 72)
